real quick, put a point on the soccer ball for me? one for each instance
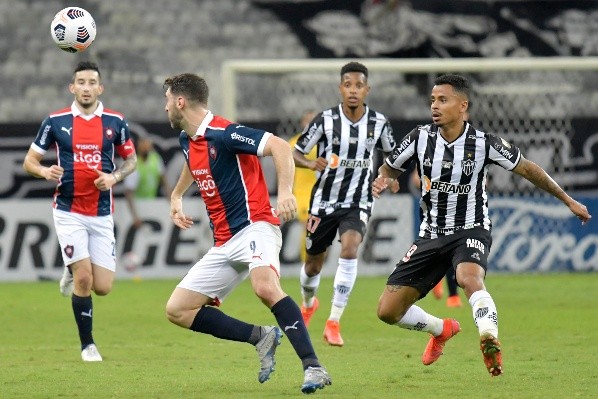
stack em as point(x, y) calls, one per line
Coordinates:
point(73, 29)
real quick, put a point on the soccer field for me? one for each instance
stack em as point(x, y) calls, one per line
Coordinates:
point(548, 330)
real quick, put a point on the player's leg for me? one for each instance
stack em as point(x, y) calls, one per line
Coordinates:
point(413, 277)
point(320, 232)
point(310, 283)
point(73, 237)
point(471, 259)
point(265, 242)
point(453, 300)
point(351, 230)
point(194, 305)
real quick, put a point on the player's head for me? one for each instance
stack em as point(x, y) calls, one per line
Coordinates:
point(185, 91)
point(354, 84)
point(86, 85)
point(449, 100)
point(144, 146)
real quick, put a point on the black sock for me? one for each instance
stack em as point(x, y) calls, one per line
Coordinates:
point(451, 282)
point(210, 320)
point(289, 318)
point(83, 311)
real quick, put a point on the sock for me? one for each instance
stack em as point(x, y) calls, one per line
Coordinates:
point(484, 312)
point(309, 287)
point(210, 320)
point(289, 319)
point(417, 319)
point(83, 311)
point(451, 282)
point(344, 280)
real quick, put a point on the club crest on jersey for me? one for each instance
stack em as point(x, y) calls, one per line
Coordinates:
point(69, 250)
point(468, 166)
point(212, 152)
point(109, 133)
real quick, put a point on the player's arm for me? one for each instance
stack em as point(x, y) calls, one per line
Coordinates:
point(386, 176)
point(32, 165)
point(280, 151)
point(394, 184)
point(538, 176)
point(105, 181)
point(176, 199)
point(301, 161)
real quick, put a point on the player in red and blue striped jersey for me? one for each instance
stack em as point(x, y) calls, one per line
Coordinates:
point(222, 159)
point(86, 136)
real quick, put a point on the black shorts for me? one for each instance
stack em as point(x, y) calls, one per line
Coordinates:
point(428, 260)
point(321, 230)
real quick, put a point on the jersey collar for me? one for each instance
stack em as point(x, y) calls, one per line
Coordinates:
point(98, 112)
point(201, 130)
point(350, 122)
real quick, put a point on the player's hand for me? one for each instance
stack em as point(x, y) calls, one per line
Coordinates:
point(286, 208)
point(380, 184)
point(53, 173)
point(319, 164)
point(105, 181)
point(581, 211)
point(177, 215)
point(394, 186)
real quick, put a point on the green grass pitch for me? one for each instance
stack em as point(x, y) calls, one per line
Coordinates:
point(548, 329)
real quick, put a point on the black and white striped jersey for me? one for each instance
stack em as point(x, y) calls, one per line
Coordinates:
point(453, 175)
point(348, 147)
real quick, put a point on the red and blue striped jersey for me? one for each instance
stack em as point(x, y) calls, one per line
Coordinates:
point(84, 143)
point(223, 160)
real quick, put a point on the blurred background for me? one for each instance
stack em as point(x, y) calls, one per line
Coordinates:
point(268, 61)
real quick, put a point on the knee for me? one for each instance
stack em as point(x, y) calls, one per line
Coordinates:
point(83, 280)
point(103, 290)
point(269, 294)
point(174, 314)
point(388, 316)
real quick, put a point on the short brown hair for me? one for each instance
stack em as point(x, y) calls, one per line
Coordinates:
point(190, 85)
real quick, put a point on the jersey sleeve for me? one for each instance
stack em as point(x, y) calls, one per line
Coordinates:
point(386, 143)
point(45, 137)
point(310, 135)
point(502, 153)
point(123, 144)
point(405, 152)
point(245, 140)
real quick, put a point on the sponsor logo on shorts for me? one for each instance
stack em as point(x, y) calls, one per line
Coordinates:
point(473, 243)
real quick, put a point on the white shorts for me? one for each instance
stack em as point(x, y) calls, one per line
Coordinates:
point(222, 268)
point(82, 236)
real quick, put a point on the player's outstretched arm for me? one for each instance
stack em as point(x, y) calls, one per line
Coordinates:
point(281, 153)
point(538, 176)
point(176, 200)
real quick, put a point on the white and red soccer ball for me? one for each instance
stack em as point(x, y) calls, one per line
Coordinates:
point(73, 29)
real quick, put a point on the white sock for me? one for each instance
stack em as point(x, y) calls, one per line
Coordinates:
point(417, 319)
point(484, 312)
point(344, 280)
point(309, 287)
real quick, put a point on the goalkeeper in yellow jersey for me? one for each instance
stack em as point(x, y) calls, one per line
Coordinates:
point(304, 179)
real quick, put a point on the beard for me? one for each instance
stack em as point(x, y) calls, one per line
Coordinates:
point(176, 121)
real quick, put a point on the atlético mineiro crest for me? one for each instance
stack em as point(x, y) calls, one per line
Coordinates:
point(468, 166)
point(212, 152)
point(69, 250)
point(109, 133)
